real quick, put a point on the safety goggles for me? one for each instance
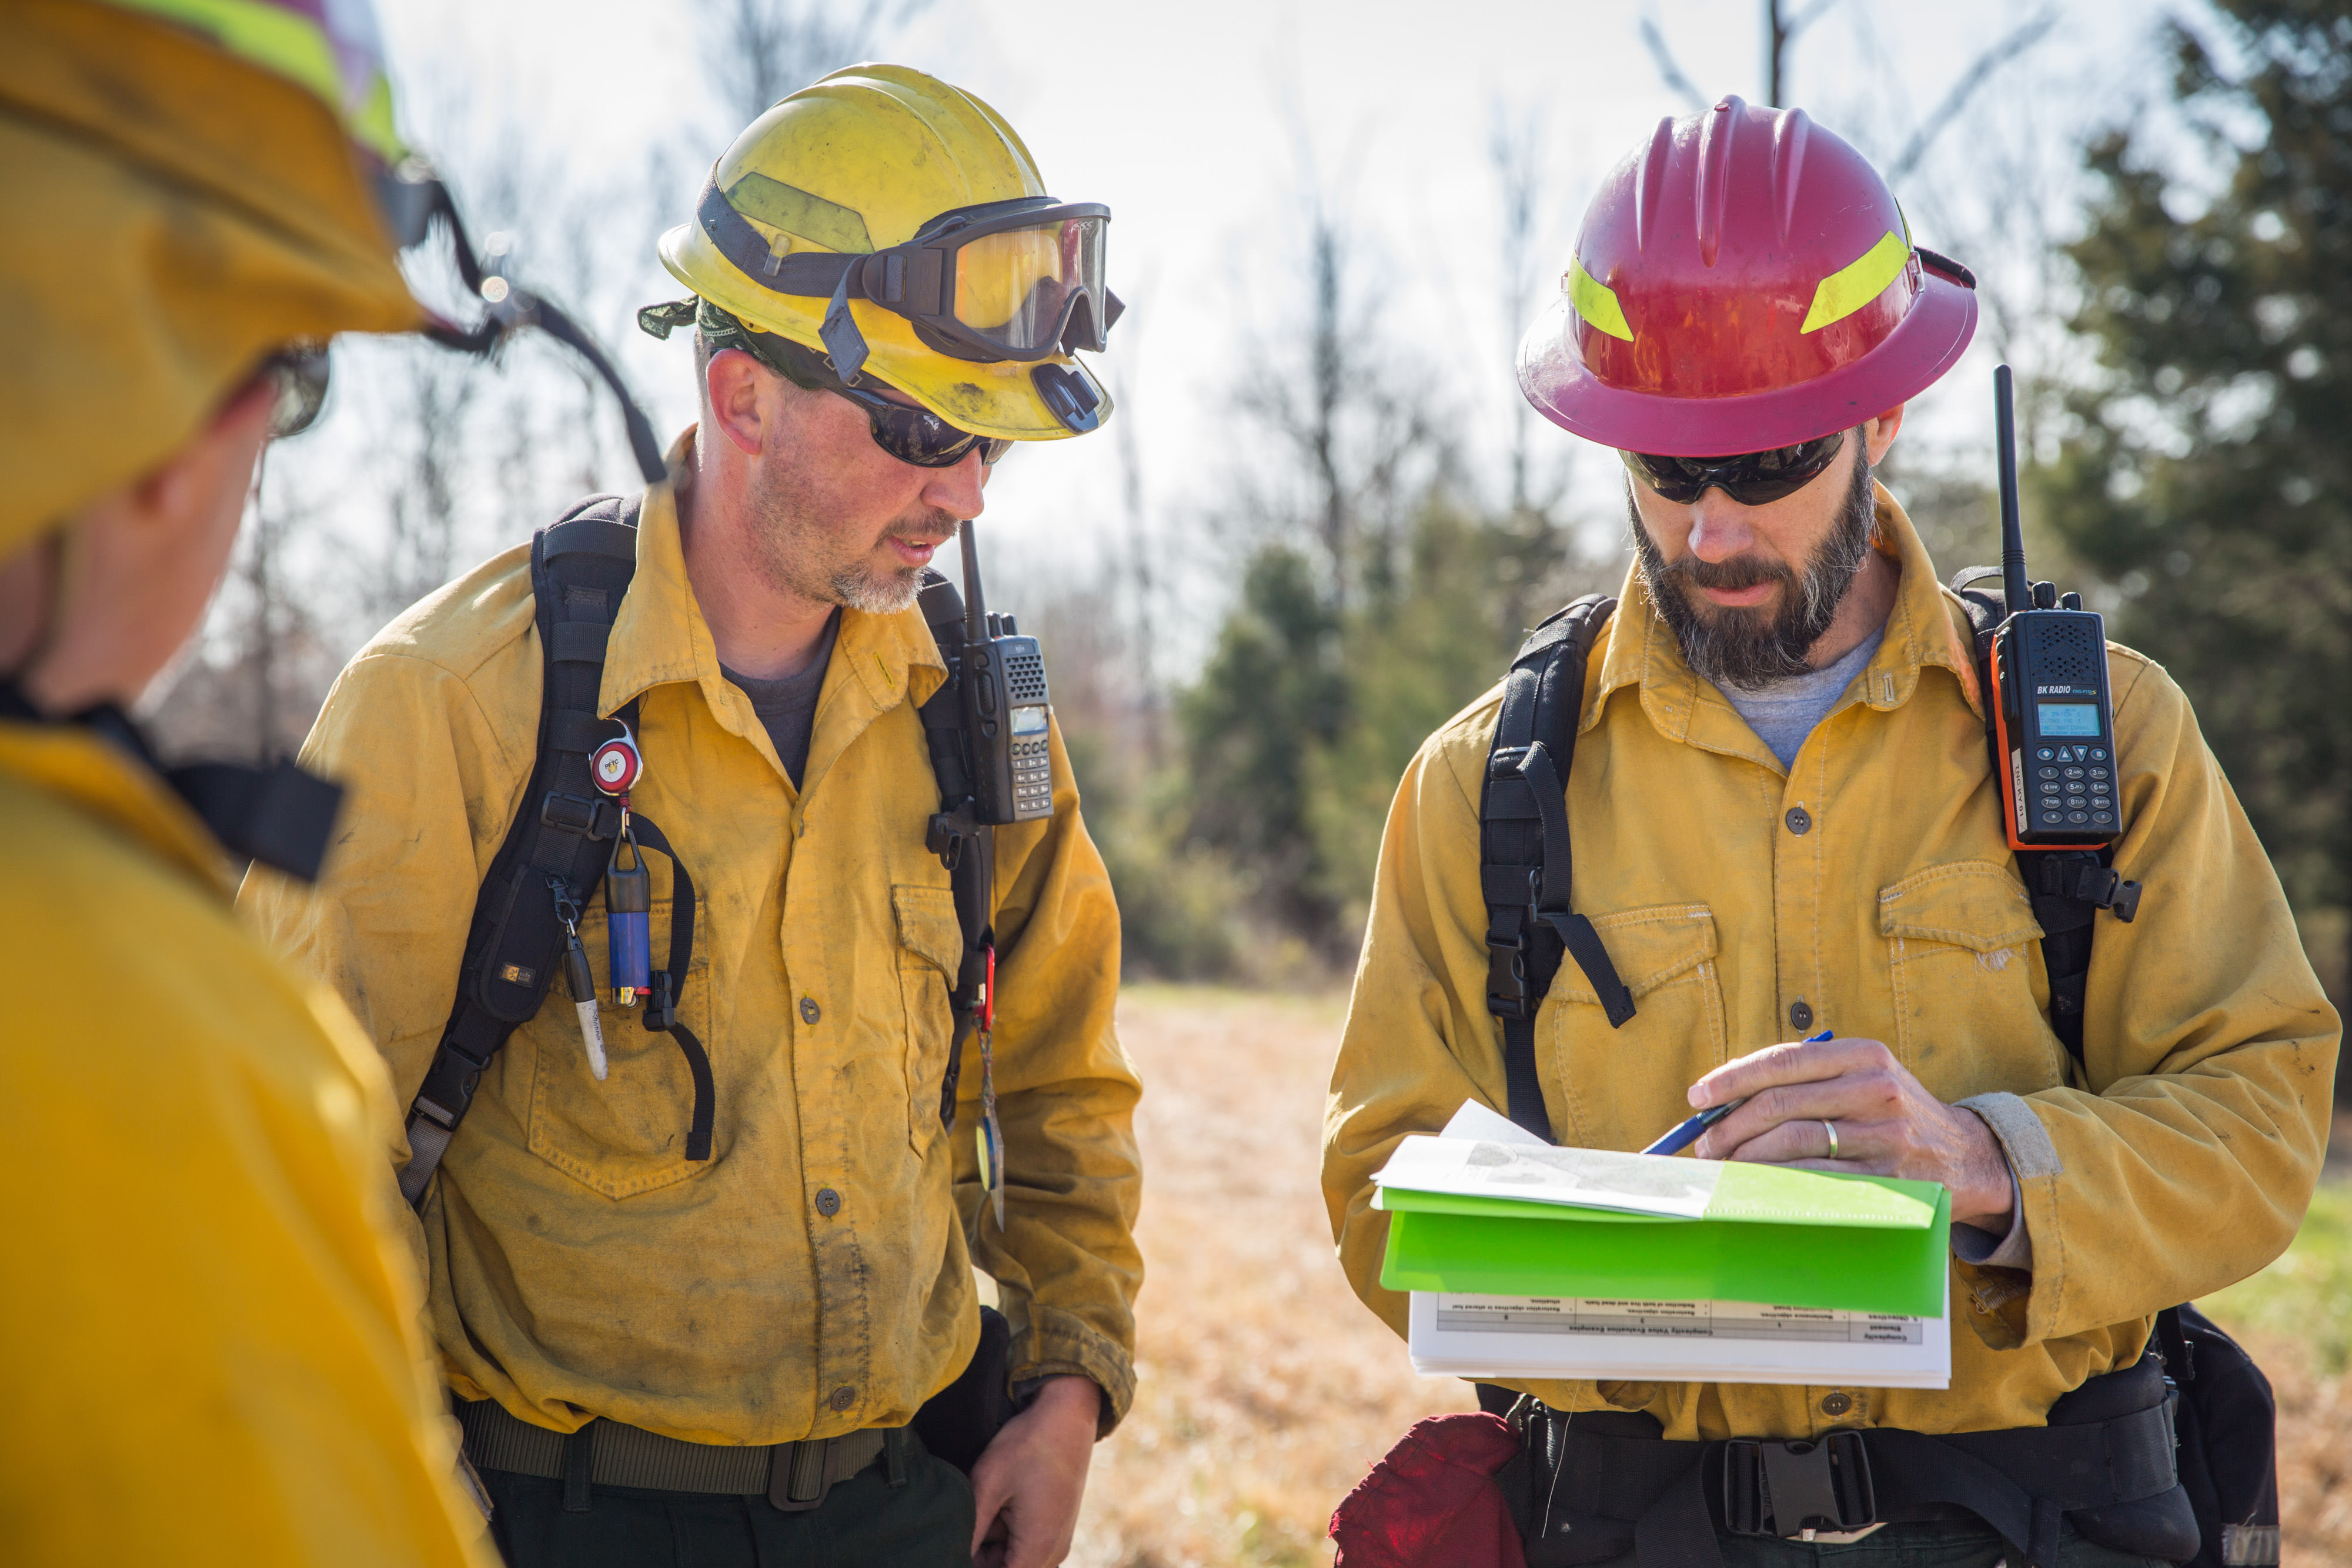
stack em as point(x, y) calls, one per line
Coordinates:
point(1752, 479)
point(1017, 280)
point(298, 378)
point(908, 434)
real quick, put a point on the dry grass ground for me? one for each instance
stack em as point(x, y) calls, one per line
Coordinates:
point(1266, 1390)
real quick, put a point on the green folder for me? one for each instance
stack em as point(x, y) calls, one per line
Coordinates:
point(1783, 1238)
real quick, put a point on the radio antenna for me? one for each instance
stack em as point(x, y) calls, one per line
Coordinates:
point(2016, 592)
point(975, 613)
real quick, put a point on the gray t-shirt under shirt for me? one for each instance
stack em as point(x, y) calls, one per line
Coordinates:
point(1783, 713)
point(787, 708)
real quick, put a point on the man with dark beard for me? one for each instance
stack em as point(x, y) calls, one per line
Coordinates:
point(690, 1292)
point(1784, 824)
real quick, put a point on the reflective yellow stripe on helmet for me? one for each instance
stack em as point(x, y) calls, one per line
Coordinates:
point(1596, 302)
point(1855, 285)
point(281, 38)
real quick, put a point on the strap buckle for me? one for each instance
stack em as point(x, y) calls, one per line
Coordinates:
point(1815, 1490)
point(596, 819)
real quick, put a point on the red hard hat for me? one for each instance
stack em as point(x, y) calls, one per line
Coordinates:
point(1744, 282)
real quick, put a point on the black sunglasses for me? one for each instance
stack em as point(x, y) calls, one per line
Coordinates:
point(917, 436)
point(1752, 478)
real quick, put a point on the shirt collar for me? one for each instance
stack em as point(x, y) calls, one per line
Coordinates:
point(1926, 628)
point(660, 637)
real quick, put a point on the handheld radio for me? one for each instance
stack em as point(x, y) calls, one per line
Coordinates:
point(2053, 723)
point(1005, 706)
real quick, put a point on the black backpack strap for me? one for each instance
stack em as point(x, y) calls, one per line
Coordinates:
point(561, 836)
point(965, 845)
point(1526, 869)
point(2067, 887)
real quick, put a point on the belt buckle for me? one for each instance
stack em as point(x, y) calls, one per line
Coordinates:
point(1815, 1490)
point(797, 1474)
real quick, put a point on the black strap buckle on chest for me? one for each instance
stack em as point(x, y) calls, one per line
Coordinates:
point(563, 830)
point(1525, 863)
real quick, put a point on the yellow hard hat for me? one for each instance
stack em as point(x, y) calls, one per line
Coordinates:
point(191, 188)
point(897, 225)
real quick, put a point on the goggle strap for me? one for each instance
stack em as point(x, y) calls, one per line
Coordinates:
point(843, 343)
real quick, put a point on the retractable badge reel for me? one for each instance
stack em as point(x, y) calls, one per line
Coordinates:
point(617, 766)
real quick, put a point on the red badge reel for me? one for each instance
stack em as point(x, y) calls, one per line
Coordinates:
point(617, 766)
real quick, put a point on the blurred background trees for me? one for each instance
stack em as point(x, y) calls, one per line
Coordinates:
point(2208, 473)
point(1357, 534)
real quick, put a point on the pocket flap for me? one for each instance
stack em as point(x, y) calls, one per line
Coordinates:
point(1649, 946)
point(1975, 904)
point(928, 927)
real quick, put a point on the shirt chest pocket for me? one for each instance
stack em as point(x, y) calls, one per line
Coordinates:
point(1960, 957)
point(627, 1132)
point(930, 950)
point(1618, 1083)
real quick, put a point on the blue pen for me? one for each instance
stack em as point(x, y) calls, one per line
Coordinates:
point(1687, 1133)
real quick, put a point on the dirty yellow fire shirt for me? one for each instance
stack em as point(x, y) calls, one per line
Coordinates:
point(208, 1337)
point(1891, 907)
point(581, 1265)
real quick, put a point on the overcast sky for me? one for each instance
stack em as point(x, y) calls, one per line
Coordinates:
point(1205, 126)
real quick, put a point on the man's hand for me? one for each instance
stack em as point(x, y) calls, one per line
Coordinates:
point(1886, 1124)
point(1026, 1487)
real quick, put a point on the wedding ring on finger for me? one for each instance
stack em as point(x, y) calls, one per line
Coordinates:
point(1831, 1128)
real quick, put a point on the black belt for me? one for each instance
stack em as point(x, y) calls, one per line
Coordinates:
point(793, 1476)
point(1588, 1487)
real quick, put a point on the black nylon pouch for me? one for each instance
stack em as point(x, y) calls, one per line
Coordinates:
point(962, 1419)
point(2162, 1526)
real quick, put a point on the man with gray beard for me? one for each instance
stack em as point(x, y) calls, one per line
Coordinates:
point(701, 1239)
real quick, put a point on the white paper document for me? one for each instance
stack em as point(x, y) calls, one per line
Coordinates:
point(1540, 1173)
point(1674, 1341)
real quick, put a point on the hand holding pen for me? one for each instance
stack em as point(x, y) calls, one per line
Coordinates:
point(1687, 1133)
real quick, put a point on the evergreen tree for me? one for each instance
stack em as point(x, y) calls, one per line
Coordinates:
point(2211, 475)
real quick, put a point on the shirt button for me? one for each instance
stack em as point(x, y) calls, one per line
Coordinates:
point(844, 1398)
point(810, 1011)
point(828, 1202)
point(1800, 1015)
point(1798, 820)
point(1835, 1404)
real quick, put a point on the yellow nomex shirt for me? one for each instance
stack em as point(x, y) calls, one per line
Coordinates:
point(1891, 907)
point(210, 1324)
point(812, 1276)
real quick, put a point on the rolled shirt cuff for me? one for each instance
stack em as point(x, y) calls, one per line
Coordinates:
point(2024, 1141)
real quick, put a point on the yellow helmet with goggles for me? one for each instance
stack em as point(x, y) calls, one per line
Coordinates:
point(898, 227)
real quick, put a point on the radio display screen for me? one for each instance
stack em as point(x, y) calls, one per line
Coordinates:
point(2068, 719)
point(1029, 721)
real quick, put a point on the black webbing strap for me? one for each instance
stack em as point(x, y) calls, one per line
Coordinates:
point(560, 838)
point(965, 845)
point(669, 984)
point(1526, 868)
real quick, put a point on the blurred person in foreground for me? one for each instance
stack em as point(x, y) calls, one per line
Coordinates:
point(691, 1293)
point(1784, 818)
point(211, 1327)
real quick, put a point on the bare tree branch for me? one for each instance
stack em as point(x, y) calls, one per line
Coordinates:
point(1668, 72)
point(1979, 71)
point(764, 50)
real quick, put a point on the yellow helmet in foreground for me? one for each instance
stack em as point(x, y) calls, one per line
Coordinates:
point(188, 191)
point(897, 226)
